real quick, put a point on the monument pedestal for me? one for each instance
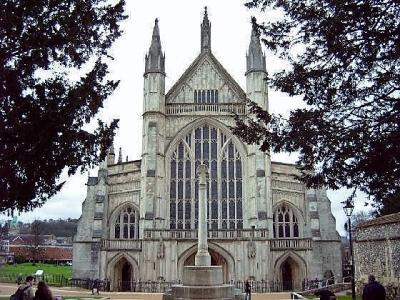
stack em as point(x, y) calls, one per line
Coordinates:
point(203, 282)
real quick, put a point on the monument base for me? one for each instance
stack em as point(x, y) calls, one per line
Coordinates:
point(202, 258)
point(203, 282)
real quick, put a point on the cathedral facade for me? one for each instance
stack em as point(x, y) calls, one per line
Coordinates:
point(139, 218)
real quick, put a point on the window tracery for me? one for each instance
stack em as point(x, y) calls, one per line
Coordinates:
point(224, 188)
point(285, 222)
point(126, 225)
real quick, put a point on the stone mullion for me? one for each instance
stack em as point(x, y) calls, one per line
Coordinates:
point(291, 224)
point(184, 190)
point(219, 180)
point(176, 190)
point(234, 184)
point(192, 179)
point(136, 224)
point(228, 196)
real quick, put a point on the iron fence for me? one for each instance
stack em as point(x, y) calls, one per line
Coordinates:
point(263, 286)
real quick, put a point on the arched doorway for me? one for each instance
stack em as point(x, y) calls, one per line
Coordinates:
point(287, 279)
point(216, 260)
point(126, 277)
point(290, 276)
point(123, 275)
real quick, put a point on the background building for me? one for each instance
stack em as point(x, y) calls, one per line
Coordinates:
point(139, 218)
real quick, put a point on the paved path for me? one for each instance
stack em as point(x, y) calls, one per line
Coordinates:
point(6, 289)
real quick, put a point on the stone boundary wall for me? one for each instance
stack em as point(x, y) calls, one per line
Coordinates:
point(377, 252)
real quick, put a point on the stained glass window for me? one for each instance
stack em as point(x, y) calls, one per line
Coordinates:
point(208, 145)
point(285, 222)
point(126, 225)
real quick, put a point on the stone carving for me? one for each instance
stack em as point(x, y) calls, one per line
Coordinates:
point(251, 249)
point(161, 249)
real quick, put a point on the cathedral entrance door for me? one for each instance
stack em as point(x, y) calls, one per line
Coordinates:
point(287, 279)
point(123, 275)
point(126, 277)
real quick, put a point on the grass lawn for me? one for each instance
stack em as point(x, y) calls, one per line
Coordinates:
point(28, 268)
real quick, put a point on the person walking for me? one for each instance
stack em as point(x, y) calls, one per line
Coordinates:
point(96, 286)
point(43, 292)
point(25, 291)
point(373, 290)
point(247, 289)
point(325, 295)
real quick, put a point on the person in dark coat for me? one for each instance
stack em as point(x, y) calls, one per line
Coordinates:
point(43, 292)
point(95, 287)
point(247, 289)
point(325, 295)
point(373, 290)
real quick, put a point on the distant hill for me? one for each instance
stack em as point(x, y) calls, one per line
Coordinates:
point(60, 228)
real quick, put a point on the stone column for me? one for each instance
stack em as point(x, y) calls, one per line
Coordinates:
point(202, 257)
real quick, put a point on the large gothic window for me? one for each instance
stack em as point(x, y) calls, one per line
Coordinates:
point(210, 146)
point(126, 225)
point(285, 223)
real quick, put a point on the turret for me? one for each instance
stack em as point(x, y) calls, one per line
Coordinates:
point(260, 174)
point(120, 156)
point(111, 156)
point(154, 75)
point(256, 73)
point(155, 59)
point(255, 57)
point(152, 167)
point(205, 33)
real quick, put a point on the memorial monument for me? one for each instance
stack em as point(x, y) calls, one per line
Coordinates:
point(202, 281)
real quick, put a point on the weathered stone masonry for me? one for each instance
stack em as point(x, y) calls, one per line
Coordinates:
point(139, 218)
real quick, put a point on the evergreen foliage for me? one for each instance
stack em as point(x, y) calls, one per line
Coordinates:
point(43, 112)
point(344, 58)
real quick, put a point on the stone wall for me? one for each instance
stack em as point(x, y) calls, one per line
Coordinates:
point(377, 252)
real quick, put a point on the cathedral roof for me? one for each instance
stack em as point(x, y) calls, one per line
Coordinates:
point(206, 73)
point(194, 67)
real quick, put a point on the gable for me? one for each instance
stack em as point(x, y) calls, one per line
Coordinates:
point(204, 75)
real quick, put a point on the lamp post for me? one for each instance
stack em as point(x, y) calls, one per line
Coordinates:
point(348, 210)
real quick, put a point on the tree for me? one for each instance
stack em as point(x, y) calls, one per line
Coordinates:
point(387, 206)
point(43, 110)
point(357, 218)
point(35, 242)
point(344, 61)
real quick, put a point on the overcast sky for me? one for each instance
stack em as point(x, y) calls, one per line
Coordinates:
point(179, 22)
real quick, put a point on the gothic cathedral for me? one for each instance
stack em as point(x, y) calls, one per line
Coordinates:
point(139, 217)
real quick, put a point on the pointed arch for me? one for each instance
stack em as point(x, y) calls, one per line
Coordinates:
point(292, 263)
point(208, 141)
point(297, 258)
point(115, 215)
point(294, 224)
point(113, 271)
point(205, 121)
point(192, 250)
